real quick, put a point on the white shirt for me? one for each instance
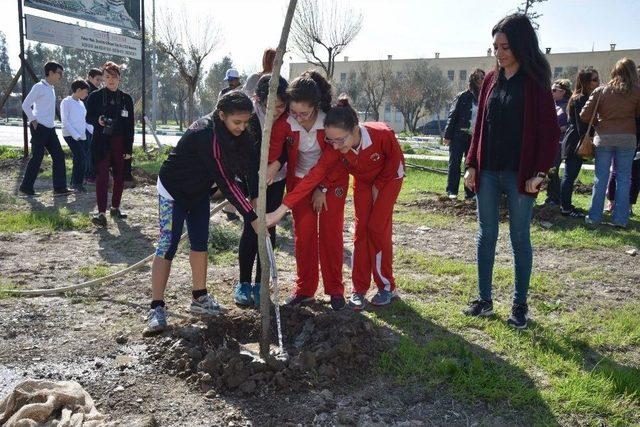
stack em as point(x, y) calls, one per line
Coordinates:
point(43, 100)
point(74, 114)
point(309, 150)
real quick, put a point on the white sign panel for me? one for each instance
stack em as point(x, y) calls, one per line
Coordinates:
point(116, 13)
point(60, 33)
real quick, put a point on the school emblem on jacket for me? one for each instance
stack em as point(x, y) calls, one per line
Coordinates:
point(288, 140)
point(375, 157)
point(339, 192)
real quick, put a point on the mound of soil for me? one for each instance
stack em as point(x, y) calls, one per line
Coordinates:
point(222, 354)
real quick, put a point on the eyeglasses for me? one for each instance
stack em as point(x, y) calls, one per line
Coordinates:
point(337, 141)
point(304, 116)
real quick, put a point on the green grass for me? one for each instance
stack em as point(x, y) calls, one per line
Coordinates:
point(550, 373)
point(149, 162)
point(6, 286)
point(49, 220)
point(223, 243)
point(10, 153)
point(94, 271)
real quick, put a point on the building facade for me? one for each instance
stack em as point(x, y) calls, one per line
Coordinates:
point(457, 71)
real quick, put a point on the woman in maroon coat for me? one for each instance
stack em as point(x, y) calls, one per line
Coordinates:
point(513, 146)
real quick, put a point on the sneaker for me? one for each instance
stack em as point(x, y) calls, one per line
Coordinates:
point(518, 318)
point(27, 191)
point(479, 308)
point(62, 192)
point(117, 213)
point(206, 305)
point(589, 221)
point(255, 292)
point(452, 196)
point(99, 220)
point(573, 213)
point(357, 301)
point(242, 294)
point(294, 300)
point(337, 302)
point(383, 297)
point(156, 321)
point(79, 188)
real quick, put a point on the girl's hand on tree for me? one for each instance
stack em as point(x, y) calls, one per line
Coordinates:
point(274, 217)
point(319, 201)
point(272, 171)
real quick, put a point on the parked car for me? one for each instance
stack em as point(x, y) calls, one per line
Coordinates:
point(431, 128)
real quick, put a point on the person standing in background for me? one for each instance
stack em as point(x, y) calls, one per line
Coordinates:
point(618, 106)
point(95, 81)
point(75, 130)
point(42, 99)
point(561, 92)
point(457, 134)
point(268, 57)
point(232, 77)
point(110, 112)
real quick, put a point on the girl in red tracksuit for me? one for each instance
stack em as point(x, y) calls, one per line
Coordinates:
point(373, 156)
point(318, 219)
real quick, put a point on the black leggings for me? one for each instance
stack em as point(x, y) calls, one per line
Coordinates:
point(248, 248)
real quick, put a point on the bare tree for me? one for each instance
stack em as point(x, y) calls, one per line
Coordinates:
point(407, 93)
point(188, 40)
point(375, 80)
point(320, 32)
point(526, 7)
point(437, 91)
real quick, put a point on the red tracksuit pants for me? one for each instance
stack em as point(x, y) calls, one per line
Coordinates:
point(372, 243)
point(318, 242)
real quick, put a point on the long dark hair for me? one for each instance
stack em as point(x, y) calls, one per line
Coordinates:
point(582, 88)
point(311, 87)
point(474, 78)
point(523, 42)
point(234, 148)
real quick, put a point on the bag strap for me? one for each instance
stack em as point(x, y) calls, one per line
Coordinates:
point(593, 116)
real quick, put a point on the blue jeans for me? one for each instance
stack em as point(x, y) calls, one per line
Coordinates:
point(44, 138)
point(457, 150)
point(572, 166)
point(89, 170)
point(492, 185)
point(79, 164)
point(624, 159)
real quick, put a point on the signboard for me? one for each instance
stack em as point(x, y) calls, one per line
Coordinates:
point(116, 13)
point(60, 33)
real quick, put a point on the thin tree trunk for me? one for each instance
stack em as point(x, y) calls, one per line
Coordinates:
point(265, 301)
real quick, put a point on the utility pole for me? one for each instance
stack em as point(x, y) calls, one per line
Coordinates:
point(154, 70)
point(24, 81)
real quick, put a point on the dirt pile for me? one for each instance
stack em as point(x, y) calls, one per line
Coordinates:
point(221, 355)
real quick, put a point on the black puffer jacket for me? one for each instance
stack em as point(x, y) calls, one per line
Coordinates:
point(459, 120)
point(577, 128)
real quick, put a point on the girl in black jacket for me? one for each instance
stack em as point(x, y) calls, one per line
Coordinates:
point(209, 156)
point(586, 82)
point(457, 133)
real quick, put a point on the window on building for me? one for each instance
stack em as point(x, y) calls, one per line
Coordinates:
point(343, 77)
point(463, 75)
point(557, 71)
point(451, 74)
point(387, 112)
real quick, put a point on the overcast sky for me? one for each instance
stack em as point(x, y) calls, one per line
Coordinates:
point(402, 28)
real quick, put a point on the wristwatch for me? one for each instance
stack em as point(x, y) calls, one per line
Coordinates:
point(322, 188)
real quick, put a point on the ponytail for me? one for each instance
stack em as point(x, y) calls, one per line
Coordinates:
point(342, 115)
point(311, 87)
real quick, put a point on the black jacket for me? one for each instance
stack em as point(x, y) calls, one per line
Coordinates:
point(99, 103)
point(577, 128)
point(195, 166)
point(459, 120)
